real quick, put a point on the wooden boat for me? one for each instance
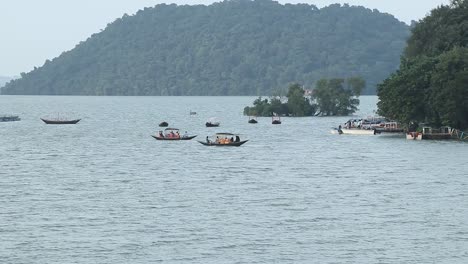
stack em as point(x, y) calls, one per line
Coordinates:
point(164, 124)
point(224, 140)
point(275, 120)
point(60, 121)
point(212, 122)
point(253, 120)
point(172, 134)
point(9, 118)
point(390, 128)
point(437, 134)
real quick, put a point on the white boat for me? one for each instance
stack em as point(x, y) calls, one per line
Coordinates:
point(353, 131)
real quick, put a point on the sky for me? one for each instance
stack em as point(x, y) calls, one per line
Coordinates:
point(34, 31)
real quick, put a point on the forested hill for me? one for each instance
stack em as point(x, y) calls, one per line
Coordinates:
point(236, 47)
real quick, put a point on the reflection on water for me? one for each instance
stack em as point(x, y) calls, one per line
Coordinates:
point(104, 191)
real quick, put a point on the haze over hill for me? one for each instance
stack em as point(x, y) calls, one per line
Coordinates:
point(230, 48)
point(3, 80)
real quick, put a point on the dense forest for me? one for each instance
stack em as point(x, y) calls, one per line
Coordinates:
point(237, 47)
point(431, 85)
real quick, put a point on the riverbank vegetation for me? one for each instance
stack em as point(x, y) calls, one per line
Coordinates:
point(431, 85)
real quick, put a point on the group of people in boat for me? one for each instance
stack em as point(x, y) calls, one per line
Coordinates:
point(224, 140)
point(172, 134)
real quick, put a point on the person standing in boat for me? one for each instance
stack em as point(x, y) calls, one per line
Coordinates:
point(208, 140)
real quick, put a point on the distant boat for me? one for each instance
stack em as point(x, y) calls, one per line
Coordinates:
point(275, 120)
point(212, 122)
point(223, 140)
point(253, 120)
point(172, 134)
point(58, 121)
point(192, 113)
point(9, 118)
point(164, 124)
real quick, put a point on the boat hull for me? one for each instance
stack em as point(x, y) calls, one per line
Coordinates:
point(362, 132)
point(231, 144)
point(173, 139)
point(9, 118)
point(60, 122)
point(208, 124)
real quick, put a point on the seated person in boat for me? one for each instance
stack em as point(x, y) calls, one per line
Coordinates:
point(161, 134)
point(208, 140)
point(232, 139)
point(237, 139)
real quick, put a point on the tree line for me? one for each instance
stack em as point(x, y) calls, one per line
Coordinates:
point(431, 85)
point(237, 47)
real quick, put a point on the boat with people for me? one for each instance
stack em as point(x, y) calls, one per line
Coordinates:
point(172, 134)
point(212, 122)
point(223, 140)
point(9, 118)
point(276, 120)
point(253, 120)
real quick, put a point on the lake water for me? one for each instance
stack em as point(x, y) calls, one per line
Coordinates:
point(104, 191)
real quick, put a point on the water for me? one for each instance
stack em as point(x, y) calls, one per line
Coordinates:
point(104, 191)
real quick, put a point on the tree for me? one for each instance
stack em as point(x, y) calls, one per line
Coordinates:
point(430, 86)
point(332, 98)
point(298, 104)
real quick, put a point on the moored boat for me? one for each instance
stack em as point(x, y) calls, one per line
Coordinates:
point(223, 140)
point(172, 134)
point(354, 131)
point(437, 134)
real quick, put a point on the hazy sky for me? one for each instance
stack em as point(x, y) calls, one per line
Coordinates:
point(32, 31)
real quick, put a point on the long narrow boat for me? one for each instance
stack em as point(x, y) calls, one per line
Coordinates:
point(172, 134)
point(223, 140)
point(231, 144)
point(9, 118)
point(175, 138)
point(60, 122)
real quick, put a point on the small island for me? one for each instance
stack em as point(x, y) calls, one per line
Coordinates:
point(330, 97)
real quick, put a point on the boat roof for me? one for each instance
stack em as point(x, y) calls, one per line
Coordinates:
point(226, 134)
point(171, 128)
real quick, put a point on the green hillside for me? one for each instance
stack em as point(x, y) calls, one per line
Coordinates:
point(236, 47)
